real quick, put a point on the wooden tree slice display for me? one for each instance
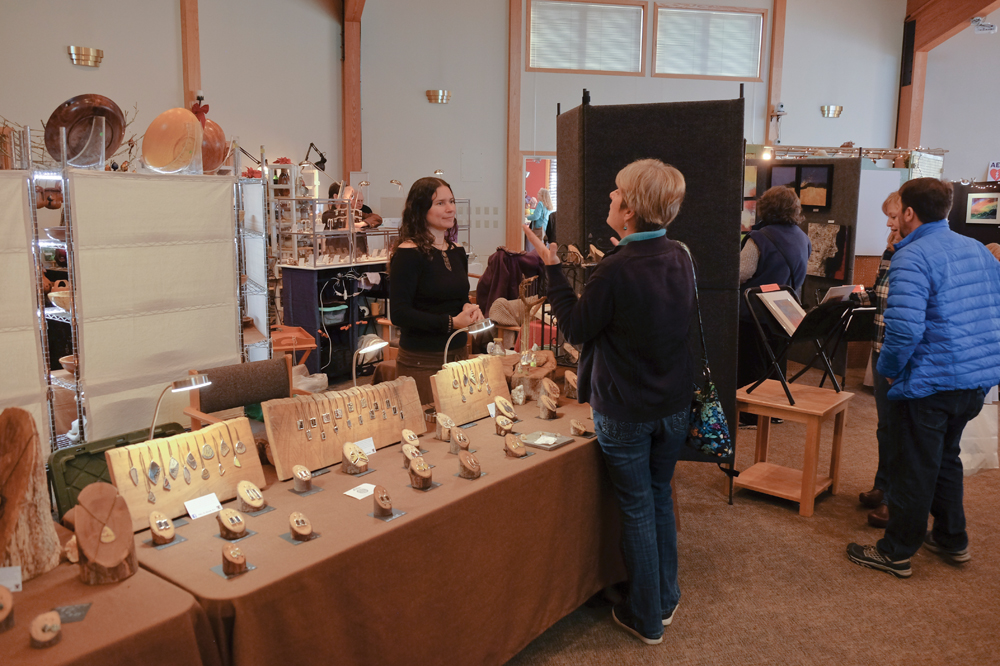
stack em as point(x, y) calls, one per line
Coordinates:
point(420, 474)
point(210, 466)
point(459, 441)
point(505, 408)
point(249, 499)
point(410, 437)
point(301, 479)
point(161, 528)
point(410, 451)
point(233, 560)
point(513, 448)
point(531, 377)
point(383, 503)
point(577, 427)
point(468, 466)
point(504, 425)
point(46, 629)
point(232, 525)
point(569, 385)
point(300, 527)
point(7, 608)
point(546, 408)
point(354, 460)
point(104, 535)
point(331, 419)
point(550, 388)
point(444, 426)
point(451, 386)
point(27, 534)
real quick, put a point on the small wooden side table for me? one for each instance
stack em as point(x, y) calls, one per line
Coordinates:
point(813, 406)
point(292, 339)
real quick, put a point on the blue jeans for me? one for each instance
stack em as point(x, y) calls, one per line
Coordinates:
point(883, 430)
point(641, 459)
point(926, 473)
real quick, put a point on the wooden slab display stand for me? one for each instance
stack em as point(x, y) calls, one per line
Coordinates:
point(569, 385)
point(410, 452)
point(7, 608)
point(459, 441)
point(161, 528)
point(308, 447)
point(504, 425)
point(513, 447)
point(468, 466)
point(27, 534)
point(104, 535)
point(232, 524)
point(171, 502)
point(354, 460)
point(444, 426)
point(233, 560)
point(383, 503)
point(420, 474)
point(302, 479)
point(546, 408)
point(449, 400)
point(299, 526)
point(46, 630)
point(526, 376)
point(577, 427)
point(249, 499)
point(550, 388)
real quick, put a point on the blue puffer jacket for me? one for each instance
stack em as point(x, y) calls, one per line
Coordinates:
point(942, 323)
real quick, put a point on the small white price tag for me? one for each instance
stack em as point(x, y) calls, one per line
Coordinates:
point(367, 445)
point(362, 491)
point(10, 577)
point(202, 506)
point(493, 410)
point(545, 439)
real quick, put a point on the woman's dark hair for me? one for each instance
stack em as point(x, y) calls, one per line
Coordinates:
point(780, 205)
point(418, 202)
point(929, 198)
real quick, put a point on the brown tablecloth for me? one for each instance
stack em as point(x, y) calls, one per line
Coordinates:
point(142, 620)
point(470, 575)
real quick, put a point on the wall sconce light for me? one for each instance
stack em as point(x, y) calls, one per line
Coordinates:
point(830, 111)
point(438, 96)
point(438, 172)
point(86, 56)
point(767, 154)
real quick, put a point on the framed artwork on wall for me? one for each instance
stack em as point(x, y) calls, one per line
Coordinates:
point(813, 184)
point(829, 250)
point(786, 176)
point(982, 208)
point(750, 182)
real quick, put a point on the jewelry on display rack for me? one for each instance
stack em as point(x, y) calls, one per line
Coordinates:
point(316, 405)
point(154, 468)
point(338, 413)
point(236, 460)
point(174, 466)
point(166, 477)
point(207, 451)
point(484, 377)
point(204, 468)
point(223, 447)
point(191, 462)
point(133, 473)
point(454, 373)
point(150, 497)
point(302, 419)
point(222, 471)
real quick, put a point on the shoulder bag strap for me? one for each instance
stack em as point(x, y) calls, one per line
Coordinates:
point(701, 326)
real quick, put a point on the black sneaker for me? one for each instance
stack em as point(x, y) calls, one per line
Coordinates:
point(868, 556)
point(669, 617)
point(954, 556)
point(624, 619)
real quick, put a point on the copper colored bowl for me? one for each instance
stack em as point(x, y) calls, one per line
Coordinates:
point(213, 147)
point(171, 139)
point(68, 363)
point(77, 115)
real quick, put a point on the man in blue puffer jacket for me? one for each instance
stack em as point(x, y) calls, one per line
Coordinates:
point(941, 352)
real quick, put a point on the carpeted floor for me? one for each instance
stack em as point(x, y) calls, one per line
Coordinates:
point(762, 585)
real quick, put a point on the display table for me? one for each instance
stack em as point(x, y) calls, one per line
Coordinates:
point(813, 406)
point(470, 575)
point(142, 620)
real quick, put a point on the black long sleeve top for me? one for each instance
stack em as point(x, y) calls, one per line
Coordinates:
point(423, 293)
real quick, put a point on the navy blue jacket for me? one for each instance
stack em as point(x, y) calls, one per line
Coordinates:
point(784, 254)
point(632, 319)
point(942, 323)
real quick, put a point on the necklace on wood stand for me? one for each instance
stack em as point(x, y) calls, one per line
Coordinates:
point(236, 460)
point(204, 469)
point(150, 497)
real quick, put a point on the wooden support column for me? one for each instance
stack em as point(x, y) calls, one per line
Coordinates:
point(190, 51)
point(936, 21)
point(514, 237)
point(352, 86)
point(774, 69)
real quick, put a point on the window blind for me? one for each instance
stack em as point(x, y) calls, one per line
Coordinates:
point(697, 42)
point(585, 36)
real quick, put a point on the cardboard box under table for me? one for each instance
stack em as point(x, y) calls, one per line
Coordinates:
point(473, 572)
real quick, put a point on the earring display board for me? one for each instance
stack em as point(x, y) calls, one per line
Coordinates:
point(21, 383)
point(464, 389)
point(174, 460)
point(311, 430)
point(157, 290)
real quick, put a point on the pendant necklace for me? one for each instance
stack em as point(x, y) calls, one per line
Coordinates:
point(133, 472)
point(150, 497)
point(154, 468)
point(175, 466)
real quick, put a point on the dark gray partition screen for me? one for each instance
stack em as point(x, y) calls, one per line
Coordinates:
point(704, 140)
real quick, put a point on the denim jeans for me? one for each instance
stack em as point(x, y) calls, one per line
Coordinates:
point(641, 459)
point(926, 473)
point(883, 430)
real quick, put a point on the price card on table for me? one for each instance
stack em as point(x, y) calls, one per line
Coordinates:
point(367, 445)
point(362, 491)
point(493, 410)
point(203, 506)
point(10, 577)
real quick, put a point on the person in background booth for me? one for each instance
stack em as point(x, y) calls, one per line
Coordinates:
point(775, 251)
point(429, 285)
point(637, 373)
point(539, 218)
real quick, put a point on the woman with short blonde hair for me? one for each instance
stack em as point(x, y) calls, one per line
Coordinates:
point(653, 190)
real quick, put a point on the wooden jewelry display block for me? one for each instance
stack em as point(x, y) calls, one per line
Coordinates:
point(171, 502)
point(448, 396)
point(311, 430)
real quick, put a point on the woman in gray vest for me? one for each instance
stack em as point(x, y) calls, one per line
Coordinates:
point(774, 252)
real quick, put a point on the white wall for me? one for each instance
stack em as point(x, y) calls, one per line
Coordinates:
point(960, 102)
point(409, 47)
point(271, 71)
point(848, 53)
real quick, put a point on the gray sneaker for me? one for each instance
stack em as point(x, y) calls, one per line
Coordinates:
point(954, 556)
point(869, 556)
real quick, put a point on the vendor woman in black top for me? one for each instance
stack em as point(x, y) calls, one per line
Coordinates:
point(429, 285)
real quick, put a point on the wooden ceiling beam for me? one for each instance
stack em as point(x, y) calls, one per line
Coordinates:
point(940, 20)
point(190, 51)
point(353, 10)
